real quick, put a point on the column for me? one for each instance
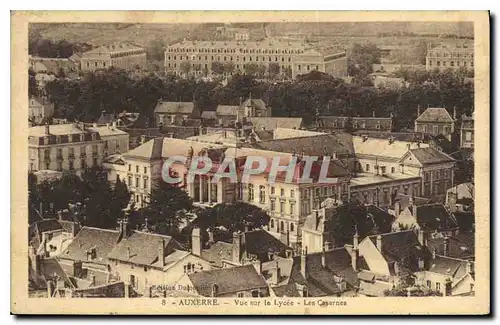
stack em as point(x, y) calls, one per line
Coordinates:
point(201, 188)
point(209, 180)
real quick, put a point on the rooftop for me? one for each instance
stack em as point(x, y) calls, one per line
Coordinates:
point(430, 156)
point(271, 123)
point(174, 107)
point(435, 114)
point(362, 179)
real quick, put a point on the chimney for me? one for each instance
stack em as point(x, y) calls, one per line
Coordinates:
point(237, 246)
point(77, 269)
point(47, 129)
point(60, 215)
point(323, 255)
point(418, 110)
point(303, 262)
point(468, 267)
point(446, 242)
point(35, 259)
point(75, 227)
point(422, 238)
point(128, 252)
point(413, 209)
point(210, 236)
point(114, 124)
point(196, 241)
point(276, 276)
point(124, 228)
point(50, 288)
point(379, 243)
point(215, 290)
point(454, 113)
point(143, 139)
point(334, 155)
point(161, 252)
point(434, 254)
point(258, 267)
point(447, 287)
point(397, 208)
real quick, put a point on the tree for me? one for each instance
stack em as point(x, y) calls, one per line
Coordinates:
point(32, 84)
point(233, 217)
point(156, 50)
point(415, 291)
point(229, 68)
point(167, 208)
point(185, 67)
point(363, 57)
point(252, 69)
point(273, 69)
point(217, 67)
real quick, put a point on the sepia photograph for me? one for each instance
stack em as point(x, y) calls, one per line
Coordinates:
point(316, 165)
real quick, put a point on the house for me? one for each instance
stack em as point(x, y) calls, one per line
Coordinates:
point(50, 237)
point(47, 274)
point(390, 258)
point(240, 281)
point(436, 121)
point(447, 275)
point(175, 113)
point(460, 197)
point(146, 260)
point(331, 272)
point(226, 115)
point(467, 132)
point(433, 217)
point(125, 56)
point(271, 123)
point(40, 108)
point(246, 247)
point(459, 245)
point(357, 123)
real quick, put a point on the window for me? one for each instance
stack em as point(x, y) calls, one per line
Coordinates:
point(241, 295)
point(292, 193)
point(129, 168)
point(282, 208)
point(136, 169)
point(429, 284)
point(262, 194)
point(393, 170)
point(71, 165)
point(94, 162)
point(438, 286)
point(250, 192)
point(59, 165)
point(129, 181)
point(383, 168)
point(292, 208)
point(273, 205)
point(292, 226)
point(282, 192)
point(468, 136)
point(367, 167)
point(272, 223)
point(272, 190)
point(137, 182)
point(145, 183)
point(145, 170)
point(83, 163)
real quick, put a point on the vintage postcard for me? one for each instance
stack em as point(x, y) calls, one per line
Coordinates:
point(250, 163)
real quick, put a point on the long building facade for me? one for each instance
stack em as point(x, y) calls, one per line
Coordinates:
point(124, 56)
point(199, 57)
point(452, 56)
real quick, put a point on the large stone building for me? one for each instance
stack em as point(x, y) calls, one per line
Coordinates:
point(124, 56)
point(40, 108)
point(73, 147)
point(453, 56)
point(436, 121)
point(292, 56)
point(467, 132)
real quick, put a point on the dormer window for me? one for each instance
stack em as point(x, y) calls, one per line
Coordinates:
point(93, 136)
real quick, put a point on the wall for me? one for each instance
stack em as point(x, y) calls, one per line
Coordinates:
point(373, 257)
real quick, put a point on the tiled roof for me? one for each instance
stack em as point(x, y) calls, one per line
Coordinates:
point(382, 219)
point(174, 107)
point(256, 103)
point(434, 217)
point(111, 48)
point(143, 248)
point(36, 229)
point(430, 156)
point(55, 129)
point(384, 147)
point(50, 269)
point(284, 133)
point(229, 280)
point(270, 123)
point(319, 279)
point(320, 145)
point(103, 240)
point(264, 135)
point(398, 136)
point(227, 110)
point(112, 290)
point(150, 150)
point(209, 115)
point(260, 243)
point(365, 123)
point(461, 191)
point(373, 289)
point(319, 223)
point(435, 114)
point(400, 245)
point(455, 268)
point(107, 130)
point(459, 246)
point(288, 290)
point(218, 252)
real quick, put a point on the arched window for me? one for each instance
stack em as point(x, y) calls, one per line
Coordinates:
point(282, 225)
point(272, 223)
point(292, 227)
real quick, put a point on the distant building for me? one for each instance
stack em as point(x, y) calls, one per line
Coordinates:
point(357, 123)
point(296, 57)
point(73, 147)
point(54, 65)
point(40, 108)
point(460, 198)
point(453, 56)
point(124, 56)
point(467, 132)
point(436, 121)
point(175, 113)
point(236, 33)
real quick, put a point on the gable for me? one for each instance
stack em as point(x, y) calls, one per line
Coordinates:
point(410, 160)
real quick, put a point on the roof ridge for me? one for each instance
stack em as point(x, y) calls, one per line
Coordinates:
point(101, 229)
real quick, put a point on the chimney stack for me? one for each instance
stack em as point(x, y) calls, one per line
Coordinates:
point(128, 253)
point(323, 256)
point(215, 290)
point(397, 208)
point(143, 138)
point(422, 238)
point(237, 246)
point(446, 242)
point(418, 110)
point(50, 288)
point(60, 215)
point(161, 253)
point(75, 227)
point(468, 267)
point(196, 241)
point(47, 129)
point(454, 113)
point(434, 253)
point(35, 259)
point(303, 262)
point(276, 275)
point(379, 243)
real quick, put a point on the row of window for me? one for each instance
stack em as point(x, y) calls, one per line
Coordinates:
point(437, 174)
point(281, 226)
point(71, 152)
point(229, 58)
point(291, 207)
point(145, 169)
point(145, 182)
point(71, 164)
point(452, 55)
point(435, 129)
point(452, 63)
point(382, 169)
point(233, 50)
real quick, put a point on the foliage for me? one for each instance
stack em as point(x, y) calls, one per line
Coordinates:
point(233, 217)
point(415, 291)
point(218, 67)
point(156, 50)
point(362, 57)
point(38, 46)
point(167, 208)
point(185, 67)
